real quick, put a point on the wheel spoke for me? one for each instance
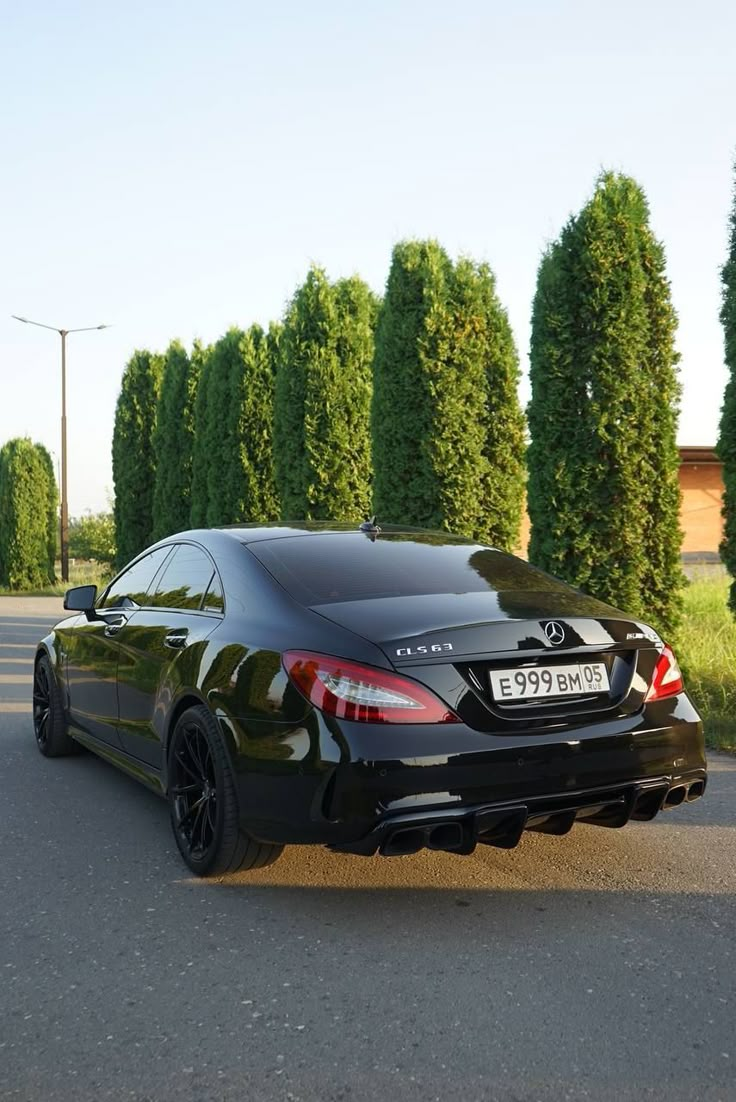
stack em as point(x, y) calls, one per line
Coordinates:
point(197, 827)
point(191, 811)
point(185, 765)
point(197, 753)
point(196, 764)
point(211, 812)
point(180, 790)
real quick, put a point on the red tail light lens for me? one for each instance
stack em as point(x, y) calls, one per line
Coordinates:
point(667, 680)
point(351, 691)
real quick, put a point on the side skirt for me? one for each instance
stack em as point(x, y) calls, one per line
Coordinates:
point(134, 768)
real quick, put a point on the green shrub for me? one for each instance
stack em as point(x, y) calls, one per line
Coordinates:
point(92, 536)
point(27, 489)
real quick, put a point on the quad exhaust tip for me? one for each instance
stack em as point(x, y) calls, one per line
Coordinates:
point(449, 837)
point(679, 793)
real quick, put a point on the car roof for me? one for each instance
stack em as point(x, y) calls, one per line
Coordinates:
point(256, 533)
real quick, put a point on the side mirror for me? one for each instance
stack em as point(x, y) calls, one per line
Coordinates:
point(80, 599)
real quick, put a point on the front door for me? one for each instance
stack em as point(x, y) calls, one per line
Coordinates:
point(91, 657)
point(92, 649)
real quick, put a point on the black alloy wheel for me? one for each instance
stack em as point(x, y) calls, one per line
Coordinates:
point(205, 815)
point(49, 724)
point(194, 792)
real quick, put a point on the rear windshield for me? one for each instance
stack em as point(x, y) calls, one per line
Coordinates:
point(324, 569)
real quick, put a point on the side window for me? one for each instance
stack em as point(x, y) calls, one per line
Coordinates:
point(214, 599)
point(185, 579)
point(136, 580)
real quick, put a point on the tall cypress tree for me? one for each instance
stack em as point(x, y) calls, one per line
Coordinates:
point(603, 482)
point(446, 422)
point(483, 345)
point(322, 401)
point(248, 422)
point(727, 438)
point(52, 510)
point(663, 581)
point(224, 367)
point(133, 457)
point(405, 484)
point(201, 361)
point(26, 557)
point(173, 442)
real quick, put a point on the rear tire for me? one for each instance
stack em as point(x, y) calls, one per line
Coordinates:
point(49, 722)
point(205, 815)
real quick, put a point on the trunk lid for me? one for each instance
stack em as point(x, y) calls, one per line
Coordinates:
point(452, 642)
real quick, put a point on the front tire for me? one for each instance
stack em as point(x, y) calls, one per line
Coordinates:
point(205, 816)
point(49, 722)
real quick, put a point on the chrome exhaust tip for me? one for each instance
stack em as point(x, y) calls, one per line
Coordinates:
point(402, 843)
point(448, 836)
point(695, 791)
point(675, 796)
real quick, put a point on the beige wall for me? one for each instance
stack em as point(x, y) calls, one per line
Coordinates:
point(700, 512)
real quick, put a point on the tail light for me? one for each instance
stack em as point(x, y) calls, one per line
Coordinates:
point(348, 690)
point(667, 680)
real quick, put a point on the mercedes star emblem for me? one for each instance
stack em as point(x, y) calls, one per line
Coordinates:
point(554, 632)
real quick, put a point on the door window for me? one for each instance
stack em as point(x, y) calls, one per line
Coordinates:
point(214, 600)
point(185, 579)
point(135, 582)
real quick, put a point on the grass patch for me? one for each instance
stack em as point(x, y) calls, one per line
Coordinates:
point(80, 573)
point(707, 653)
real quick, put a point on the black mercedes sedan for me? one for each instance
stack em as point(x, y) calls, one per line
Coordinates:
point(367, 690)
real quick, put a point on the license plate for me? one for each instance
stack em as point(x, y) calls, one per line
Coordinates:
point(533, 683)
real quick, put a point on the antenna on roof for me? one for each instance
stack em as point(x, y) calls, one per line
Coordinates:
point(370, 527)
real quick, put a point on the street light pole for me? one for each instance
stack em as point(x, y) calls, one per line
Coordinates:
point(64, 518)
point(64, 498)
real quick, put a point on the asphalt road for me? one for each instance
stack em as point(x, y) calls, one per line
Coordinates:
point(598, 966)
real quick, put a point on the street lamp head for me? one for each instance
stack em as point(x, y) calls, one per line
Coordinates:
point(18, 318)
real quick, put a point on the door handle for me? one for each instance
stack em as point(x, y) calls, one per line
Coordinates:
point(177, 639)
point(115, 626)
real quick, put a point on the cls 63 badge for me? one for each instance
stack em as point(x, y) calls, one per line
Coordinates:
point(429, 648)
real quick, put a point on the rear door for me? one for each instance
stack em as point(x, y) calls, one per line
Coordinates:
point(161, 647)
point(92, 648)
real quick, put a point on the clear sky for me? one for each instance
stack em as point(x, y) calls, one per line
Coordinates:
point(173, 168)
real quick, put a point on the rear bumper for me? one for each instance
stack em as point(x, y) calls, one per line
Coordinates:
point(459, 830)
point(355, 786)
